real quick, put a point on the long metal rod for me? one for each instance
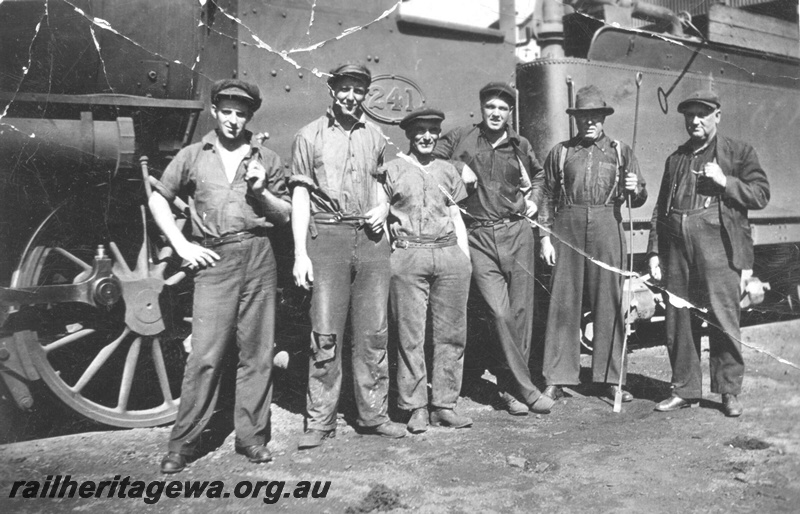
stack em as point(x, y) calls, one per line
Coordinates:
point(626, 296)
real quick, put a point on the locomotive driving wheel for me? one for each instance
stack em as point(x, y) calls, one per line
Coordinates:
point(119, 361)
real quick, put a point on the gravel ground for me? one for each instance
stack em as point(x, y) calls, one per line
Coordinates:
point(580, 458)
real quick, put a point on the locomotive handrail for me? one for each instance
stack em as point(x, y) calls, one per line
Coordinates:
point(115, 100)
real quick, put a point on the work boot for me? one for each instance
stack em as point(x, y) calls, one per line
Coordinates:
point(419, 421)
point(388, 429)
point(257, 453)
point(449, 418)
point(542, 405)
point(173, 462)
point(611, 392)
point(512, 405)
point(731, 405)
point(312, 438)
point(553, 392)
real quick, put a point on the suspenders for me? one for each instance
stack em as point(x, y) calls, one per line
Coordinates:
point(562, 159)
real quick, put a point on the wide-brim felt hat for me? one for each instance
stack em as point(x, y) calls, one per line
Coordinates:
point(238, 89)
point(498, 89)
point(426, 113)
point(590, 99)
point(353, 70)
point(703, 97)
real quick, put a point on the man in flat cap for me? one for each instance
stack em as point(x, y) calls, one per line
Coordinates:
point(430, 268)
point(586, 181)
point(238, 192)
point(700, 243)
point(507, 180)
point(342, 250)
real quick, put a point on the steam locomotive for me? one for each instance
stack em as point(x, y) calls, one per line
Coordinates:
point(95, 96)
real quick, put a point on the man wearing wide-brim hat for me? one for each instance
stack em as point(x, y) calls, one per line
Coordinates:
point(586, 181)
point(430, 268)
point(699, 229)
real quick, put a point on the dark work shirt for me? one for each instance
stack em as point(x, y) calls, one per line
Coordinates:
point(692, 191)
point(420, 210)
point(343, 164)
point(221, 207)
point(500, 189)
point(590, 176)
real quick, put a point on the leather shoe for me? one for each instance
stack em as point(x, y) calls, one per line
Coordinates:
point(449, 418)
point(512, 405)
point(173, 462)
point(553, 392)
point(388, 429)
point(312, 438)
point(542, 405)
point(731, 406)
point(673, 403)
point(256, 453)
point(418, 422)
point(611, 392)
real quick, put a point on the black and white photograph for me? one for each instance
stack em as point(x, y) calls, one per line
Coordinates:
point(342, 256)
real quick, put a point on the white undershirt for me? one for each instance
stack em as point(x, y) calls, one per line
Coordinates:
point(500, 140)
point(231, 160)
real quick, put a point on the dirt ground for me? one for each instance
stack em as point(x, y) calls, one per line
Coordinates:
point(580, 458)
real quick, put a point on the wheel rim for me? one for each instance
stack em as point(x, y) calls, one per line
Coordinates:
point(122, 365)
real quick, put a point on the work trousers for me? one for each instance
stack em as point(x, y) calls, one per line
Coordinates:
point(351, 273)
point(502, 268)
point(234, 302)
point(438, 277)
point(596, 230)
point(698, 268)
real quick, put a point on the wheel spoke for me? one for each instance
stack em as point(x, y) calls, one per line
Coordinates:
point(165, 253)
point(58, 343)
point(73, 258)
point(128, 372)
point(174, 279)
point(161, 371)
point(143, 261)
point(118, 258)
point(99, 360)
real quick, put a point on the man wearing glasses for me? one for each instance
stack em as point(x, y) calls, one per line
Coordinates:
point(700, 233)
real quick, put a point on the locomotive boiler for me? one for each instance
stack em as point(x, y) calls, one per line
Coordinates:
point(94, 96)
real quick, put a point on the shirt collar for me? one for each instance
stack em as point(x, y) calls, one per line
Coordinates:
point(511, 135)
point(210, 139)
point(362, 120)
point(687, 147)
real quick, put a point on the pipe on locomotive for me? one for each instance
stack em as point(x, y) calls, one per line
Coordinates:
point(550, 30)
point(85, 141)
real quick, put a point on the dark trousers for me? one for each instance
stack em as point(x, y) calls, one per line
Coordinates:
point(234, 302)
point(597, 231)
point(438, 277)
point(502, 268)
point(351, 273)
point(698, 269)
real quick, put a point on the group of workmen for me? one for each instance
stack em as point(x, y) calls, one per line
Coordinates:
point(408, 237)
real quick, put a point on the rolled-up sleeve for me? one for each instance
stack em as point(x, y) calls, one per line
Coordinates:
point(302, 168)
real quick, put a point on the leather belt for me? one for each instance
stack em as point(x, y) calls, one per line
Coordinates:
point(492, 223)
point(236, 237)
point(404, 243)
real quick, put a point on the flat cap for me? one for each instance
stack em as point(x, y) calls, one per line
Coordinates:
point(425, 113)
point(498, 88)
point(354, 70)
point(590, 99)
point(235, 88)
point(704, 96)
